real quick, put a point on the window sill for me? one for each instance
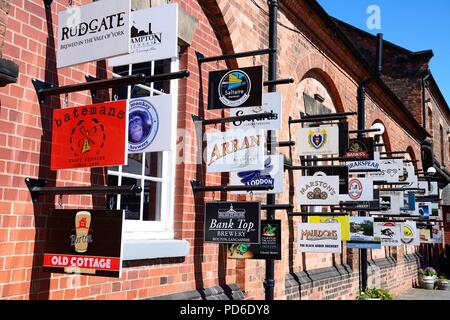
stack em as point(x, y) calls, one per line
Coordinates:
point(154, 249)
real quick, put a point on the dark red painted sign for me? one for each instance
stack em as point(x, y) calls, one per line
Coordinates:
point(89, 136)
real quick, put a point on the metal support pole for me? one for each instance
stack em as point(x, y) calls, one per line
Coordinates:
point(269, 283)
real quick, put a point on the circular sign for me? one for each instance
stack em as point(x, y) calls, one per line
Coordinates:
point(355, 189)
point(234, 88)
point(87, 138)
point(143, 125)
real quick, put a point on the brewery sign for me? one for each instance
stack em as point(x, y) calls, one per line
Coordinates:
point(313, 141)
point(85, 242)
point(390, 171)
point(362, 234)
point(409, 204)
point(424, 209)
point(436, 234)
point(366, 164)
point(154, 35)
point(233, 222)
point(408, 176)
point(410, 233)
point(390, 233)
point(395, 201)
point(271, 103)
point(344, 222)
point(235, 88)
point(319, 237)
point(235, 150)
point(89, 136)
point(148, 124)
point(270, 247)
point(93, 32)
point(342, 172)
point(271, 176)
point(361, 149)
point(318, 190)
point(425, 232)
point(359, 189)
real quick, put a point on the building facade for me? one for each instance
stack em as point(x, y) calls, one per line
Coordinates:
point(164, 253)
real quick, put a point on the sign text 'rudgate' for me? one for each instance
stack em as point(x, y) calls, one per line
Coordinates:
point(89, 136)
point(84, 242)
point(93, 32)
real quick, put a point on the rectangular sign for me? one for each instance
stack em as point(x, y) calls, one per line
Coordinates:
point(425, 232)
point(366, 164)
point(390, 171)
point(90, 136)
point(362, 234)
point(319, 237)
point(318, 190)
point(313, 141)
point(436, 234)
point(270, 247)
point(271, 176)
point(271, 103)
point(409, 204)
point(359, 189)
point(395, 201)
point(93, 32)
point(233, 222)
point(237, 88)
point(154, 35)
point(409, 176)
point(344, 222)
point(342, 172)
point(235, 150)
point(149, 128)
point(390, 233)
point(84, 242)
point(410, 234)
point(361, 149)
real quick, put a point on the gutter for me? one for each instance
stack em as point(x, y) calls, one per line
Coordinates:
point(424, 85)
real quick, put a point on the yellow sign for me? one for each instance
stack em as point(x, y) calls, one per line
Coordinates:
point(344, 221)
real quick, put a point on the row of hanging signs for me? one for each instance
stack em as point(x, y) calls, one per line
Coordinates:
point(101, 135)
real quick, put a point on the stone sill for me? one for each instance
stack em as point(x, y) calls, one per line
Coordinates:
point(154, 249)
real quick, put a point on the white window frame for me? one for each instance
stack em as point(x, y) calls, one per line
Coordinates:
point(164, 228)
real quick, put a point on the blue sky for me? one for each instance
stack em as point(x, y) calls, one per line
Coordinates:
point(413, 24)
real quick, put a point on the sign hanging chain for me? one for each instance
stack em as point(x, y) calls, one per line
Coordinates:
point(60, 201)
point(111, 203)
point(66, 100)
point(251, 195)
point(254, 60)
point(213, 196)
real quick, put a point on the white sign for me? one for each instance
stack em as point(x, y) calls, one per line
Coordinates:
point(318, 190)
point(359, 189)
point(395, 199)
point(319, 237)
point(436, 236)
point(409, 176)
point(271, 103)
point(154, 35)
point(317, 140)
point(389, 233)
point(390, 171)
point(272, 175)
point(366, 164)
point(93, 32)
point(149, 124)
point(410, 234)
point(236, 150)
point(431, 188)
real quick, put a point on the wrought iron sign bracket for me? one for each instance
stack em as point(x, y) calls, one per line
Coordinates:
point(325, 117)
point(48, 3)
point(287, 207)
point(38, 187)
point(312, 214)
point(265, 115)
point(202, 59)
point(197, 187)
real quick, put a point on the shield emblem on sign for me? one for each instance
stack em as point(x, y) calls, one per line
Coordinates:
point(317, 138)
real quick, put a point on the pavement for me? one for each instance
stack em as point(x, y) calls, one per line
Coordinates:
point(422, 294)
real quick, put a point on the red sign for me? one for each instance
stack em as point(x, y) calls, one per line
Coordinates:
point(82, 262)
point(90, 136)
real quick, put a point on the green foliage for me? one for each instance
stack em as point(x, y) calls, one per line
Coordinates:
point(375, 294)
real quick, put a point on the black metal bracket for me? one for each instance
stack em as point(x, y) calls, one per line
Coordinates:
point(363, 170)
point(312, 214)
point(324, 117)
point(278, 82)
point(197, 187)
point(277, 207)
point(38, 187)
point(40, 86)
point(90, 78)
point(286, 143)
point(343, 159)
point(48, 3)
point(364, 131)
point(202, 59)
point(265, 115)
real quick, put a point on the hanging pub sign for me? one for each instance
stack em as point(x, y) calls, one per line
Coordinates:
point(424, 209)
point(436, 234)
point(362, 234)
point(409, 204)
point(89, 136)
point(435, 212)
point(319, 237)
point(271, 103)
point(148, 124)
point(395, 201)
point(233, 222)
point(93, 32)
point(366, 205)
point(408, 176)
point(313, 141)
point(390, 170)
point(237, 88)
point(425, 232)
point(342, 172)
point(270, 247)
point(154, 35)
point(359, 189)
point(318, 190)
point(390, 233)
point(344, 222)
point(410, 234)
point(361, 149)
point(235, 150)
point(271, 176)
point(366, 164)
point(85, 242)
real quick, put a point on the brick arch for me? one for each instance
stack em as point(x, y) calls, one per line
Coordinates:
point(216, 19)
point(386, 139)
point(328, 83)
point(412, 155)
point(4, 10)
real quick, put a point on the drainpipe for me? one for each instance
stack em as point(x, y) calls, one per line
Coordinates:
point(362, 126)
point(424, 112)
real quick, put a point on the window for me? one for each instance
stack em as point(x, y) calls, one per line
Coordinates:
point(148, 215)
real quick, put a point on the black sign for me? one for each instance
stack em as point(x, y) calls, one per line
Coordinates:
point(361, 149)
point(235, 88)
point(84, 242)
point(270, 247)
point(233, 222)
point(343, 137)
point(342, 172)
